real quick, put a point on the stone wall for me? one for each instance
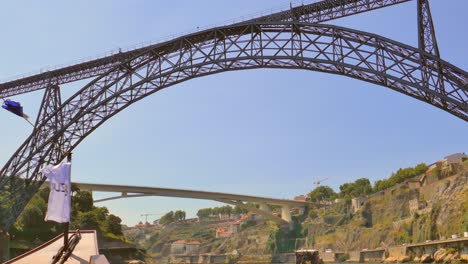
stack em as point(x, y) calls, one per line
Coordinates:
point(288, 258)
point(397, 251)
point(252, 259)
point(284, 258)
point(431, 247)
point(372, 255)
point(184, 259)
point(327, 257)
point(355, 256)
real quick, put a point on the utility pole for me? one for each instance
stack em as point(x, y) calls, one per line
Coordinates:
point(146, 216)
point(66, 226)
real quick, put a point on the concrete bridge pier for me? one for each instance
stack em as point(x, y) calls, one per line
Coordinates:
point(301, 210)
point(286, 213)
point(264, 207)
point(4, 246)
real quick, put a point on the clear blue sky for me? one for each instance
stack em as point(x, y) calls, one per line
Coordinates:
point(260, 132)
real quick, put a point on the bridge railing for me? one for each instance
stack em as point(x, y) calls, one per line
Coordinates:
point(162, 39)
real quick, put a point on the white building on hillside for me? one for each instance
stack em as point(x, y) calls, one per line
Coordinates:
point(178, 247)
point(357, 203)
point(182, 247)
point(456, 158)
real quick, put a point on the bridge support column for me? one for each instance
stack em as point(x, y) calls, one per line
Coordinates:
point(4, 246)
point(286, 213)
point(264, 207)
point(301, 210)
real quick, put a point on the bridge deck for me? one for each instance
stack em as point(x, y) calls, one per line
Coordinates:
point(181, 193)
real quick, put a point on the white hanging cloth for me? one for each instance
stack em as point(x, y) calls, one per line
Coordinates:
point(58, 208)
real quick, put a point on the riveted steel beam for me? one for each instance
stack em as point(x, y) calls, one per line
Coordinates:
point(312, 13)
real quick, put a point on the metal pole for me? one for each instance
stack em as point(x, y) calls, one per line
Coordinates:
point(66, 226)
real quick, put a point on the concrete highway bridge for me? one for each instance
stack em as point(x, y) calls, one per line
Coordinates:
point(229, 198)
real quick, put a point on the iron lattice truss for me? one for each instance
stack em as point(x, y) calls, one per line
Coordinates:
point(327, 10)
point(311, 13)
point(128, 77)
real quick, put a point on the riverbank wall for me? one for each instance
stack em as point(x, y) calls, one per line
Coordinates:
point(430, 251)
point(229, 258)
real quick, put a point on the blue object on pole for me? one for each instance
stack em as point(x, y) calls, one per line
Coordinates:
point(15, 108)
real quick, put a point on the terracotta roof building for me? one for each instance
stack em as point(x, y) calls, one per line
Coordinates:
point(182, 247)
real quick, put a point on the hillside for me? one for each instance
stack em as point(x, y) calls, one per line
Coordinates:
point(30, 230)
point(439, 210)
point(414, 210)
point(252, 239)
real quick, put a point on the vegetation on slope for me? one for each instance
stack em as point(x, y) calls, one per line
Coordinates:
point(172, 216)
point(31, 230)
point(206, 213)
point(384, 219)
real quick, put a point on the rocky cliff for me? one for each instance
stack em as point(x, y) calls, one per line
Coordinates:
point(425, 208)
point(409, 212)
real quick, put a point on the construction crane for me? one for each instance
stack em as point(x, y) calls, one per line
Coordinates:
point(320, 181)
point(146, 216)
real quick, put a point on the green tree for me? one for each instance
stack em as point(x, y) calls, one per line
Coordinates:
point(363, 186)
point(114, 224)
point(83, 201)
point(312, 214)
point(360, 187)
point(32, 217)
point(204, 213)
point(44, 193)
point(216, 211)
point(322, 193)
point(179, 215)
point(346, 190)
point(380, 185)
point(93, 219)
point(420, 168)
point(167, 218)
point(400, 176)
point(239, 210)
point(227, 210)
point(88, 220)
point(101, 213)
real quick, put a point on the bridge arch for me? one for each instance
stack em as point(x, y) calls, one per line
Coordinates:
point(286, 45)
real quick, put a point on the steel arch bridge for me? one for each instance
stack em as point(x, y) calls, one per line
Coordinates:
point(292, 39)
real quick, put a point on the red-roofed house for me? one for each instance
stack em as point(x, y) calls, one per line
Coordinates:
point(182, 247)
point(456, 158)
point(234, 227)
point(178, 247)
point(192, 247)
point(301, 198)
point(221, 232)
